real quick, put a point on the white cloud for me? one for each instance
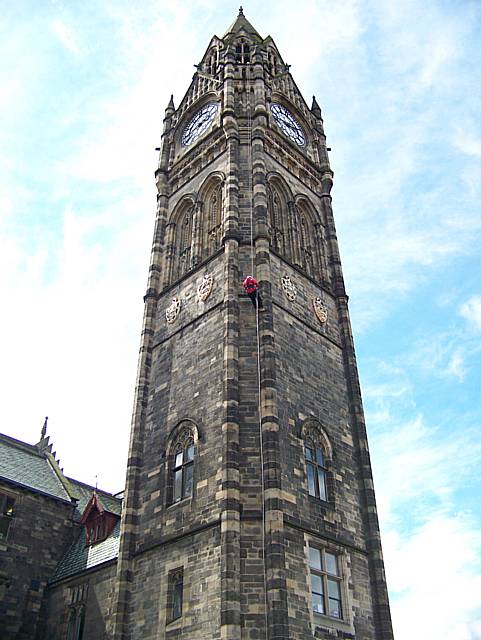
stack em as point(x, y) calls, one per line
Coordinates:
point(66, 36)
point(435, 580)
point(471, 311)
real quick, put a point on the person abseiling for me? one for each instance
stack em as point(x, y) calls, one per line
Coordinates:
point(251, 287)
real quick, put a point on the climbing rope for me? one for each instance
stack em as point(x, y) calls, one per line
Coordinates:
point(259, 408)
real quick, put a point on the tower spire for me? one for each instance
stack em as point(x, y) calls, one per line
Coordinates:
point(241, 24)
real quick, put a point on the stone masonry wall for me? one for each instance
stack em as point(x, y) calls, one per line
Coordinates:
point(37, 538)
point(90, 589)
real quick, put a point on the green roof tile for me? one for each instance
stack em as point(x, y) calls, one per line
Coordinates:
point(22, 464)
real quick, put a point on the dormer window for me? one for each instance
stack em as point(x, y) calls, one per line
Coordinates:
point(97, 520)
point(96, 529)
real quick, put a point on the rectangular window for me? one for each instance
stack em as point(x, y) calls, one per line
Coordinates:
point(175, 596)
point(7, 505)
point(326, 582)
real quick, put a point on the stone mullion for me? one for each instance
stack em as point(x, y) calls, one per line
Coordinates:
point(321, 253)
point(277, 613)
point(294, 224)
point(196, 241)
point(314, 247)
point(369, 509)
point(230, 488)
point(169, 253)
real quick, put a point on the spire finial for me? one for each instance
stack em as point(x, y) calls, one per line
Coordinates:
point(44, 429)
point(241, 11)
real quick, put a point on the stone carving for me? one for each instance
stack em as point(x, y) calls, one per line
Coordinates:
point(320, 310)
point(289, 287)
point(173, 310)
point(205, 287)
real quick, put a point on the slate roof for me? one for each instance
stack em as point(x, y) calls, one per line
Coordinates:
point(35, 468)
point(79, 557)
point(22, 464)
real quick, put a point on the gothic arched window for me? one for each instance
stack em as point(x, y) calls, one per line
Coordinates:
point(311, 248)
point(316, 469)
point(183, 242)
point(317, 457)
point(278, 217)
point(76, 623)
point(183, 467)
point(214, 209)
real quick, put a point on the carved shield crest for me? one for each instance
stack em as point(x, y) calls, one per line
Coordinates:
point(205, 287)
point(289, 287)
point(320, 310)
point(173, 310)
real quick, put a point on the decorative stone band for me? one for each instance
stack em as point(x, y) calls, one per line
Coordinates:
point(173, 310)
point(320, 310)
point(289, 287)
point(205, 287)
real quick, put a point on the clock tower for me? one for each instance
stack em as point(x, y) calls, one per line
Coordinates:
point(249, 509)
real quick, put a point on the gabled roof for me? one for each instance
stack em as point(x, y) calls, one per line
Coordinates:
point(84, 492)
point(24, 465)
point(80, 557)
point(241, 24)
point(94, 504)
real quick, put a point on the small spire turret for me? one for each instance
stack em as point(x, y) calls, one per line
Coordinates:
point(170, 109)
point(316, 109)
point(43, 433)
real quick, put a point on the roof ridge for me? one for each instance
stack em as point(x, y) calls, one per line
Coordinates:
point(29, 448)
point(89, 486)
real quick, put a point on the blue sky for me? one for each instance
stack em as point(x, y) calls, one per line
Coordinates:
point(82, 93)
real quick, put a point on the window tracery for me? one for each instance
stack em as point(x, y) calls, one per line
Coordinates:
point(182, 459)
point(213, 231)
point(311, 250)
point(183, 242)
point(278, 217)
point(317, 455)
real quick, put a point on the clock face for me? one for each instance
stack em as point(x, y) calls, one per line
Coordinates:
point(199, 123)
point(288, 124)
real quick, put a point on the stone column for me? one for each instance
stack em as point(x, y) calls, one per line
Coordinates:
point(295, 234)
point(230, 511)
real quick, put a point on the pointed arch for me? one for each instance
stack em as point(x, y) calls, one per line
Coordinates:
point(211, 197)
point(181, 458)
point(318, 460)
point(278, 198)
point(179, 238)
point(312, 239)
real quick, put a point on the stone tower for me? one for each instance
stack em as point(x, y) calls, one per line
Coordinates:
point(249, 509)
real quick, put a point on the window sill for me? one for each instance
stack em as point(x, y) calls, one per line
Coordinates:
point(322, 620)
point(326, 504)
point(174, 624)
point(179, 503)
